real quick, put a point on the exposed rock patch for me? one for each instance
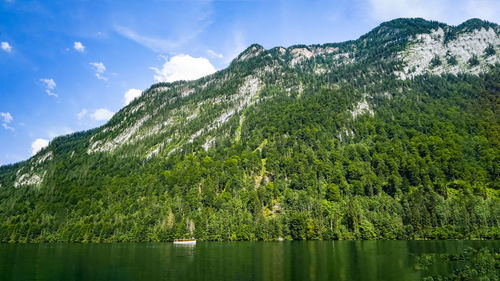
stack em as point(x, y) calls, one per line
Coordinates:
point(430, 53)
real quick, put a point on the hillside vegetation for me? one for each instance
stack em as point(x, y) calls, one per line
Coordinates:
point(395, 135)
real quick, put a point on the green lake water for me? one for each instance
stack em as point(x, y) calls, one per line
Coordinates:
point(305, 260)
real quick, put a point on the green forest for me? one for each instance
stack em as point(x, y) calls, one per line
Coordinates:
point(425, 164)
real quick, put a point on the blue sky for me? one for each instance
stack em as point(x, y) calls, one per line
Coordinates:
point(67, 66)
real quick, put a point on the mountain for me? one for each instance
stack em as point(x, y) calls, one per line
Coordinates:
point(395, 135)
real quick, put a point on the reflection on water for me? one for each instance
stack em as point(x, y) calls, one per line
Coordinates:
point(307, 260)
point(185, 252)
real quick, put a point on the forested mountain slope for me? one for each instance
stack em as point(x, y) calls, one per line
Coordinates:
point(395, 135)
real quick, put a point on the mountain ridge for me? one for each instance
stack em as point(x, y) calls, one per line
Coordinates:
point(409, 26)
point(290, 138)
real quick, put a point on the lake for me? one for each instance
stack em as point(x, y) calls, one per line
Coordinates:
point(292, 260)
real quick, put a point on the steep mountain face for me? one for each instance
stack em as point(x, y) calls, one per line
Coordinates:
point(393, 135)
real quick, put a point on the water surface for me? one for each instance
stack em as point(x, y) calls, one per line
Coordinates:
point(307, 260)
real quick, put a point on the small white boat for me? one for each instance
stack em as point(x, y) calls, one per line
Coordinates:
point(190, 241)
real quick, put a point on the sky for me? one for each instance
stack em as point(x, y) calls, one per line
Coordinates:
point(68, 66)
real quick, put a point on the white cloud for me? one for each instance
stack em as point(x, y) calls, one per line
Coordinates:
point(448, 11)
point(213, 54)
point(155, 44)
point(7, 118)
point(195, 19)
point(6, 47)
point(7, 127)
point(50, 85)
point(81, 114)
point(99, 70)
point(130, 95)
point(49, 82)
point(183, 67)
point(38, 145)
point(102, 114)
point(79, 47)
